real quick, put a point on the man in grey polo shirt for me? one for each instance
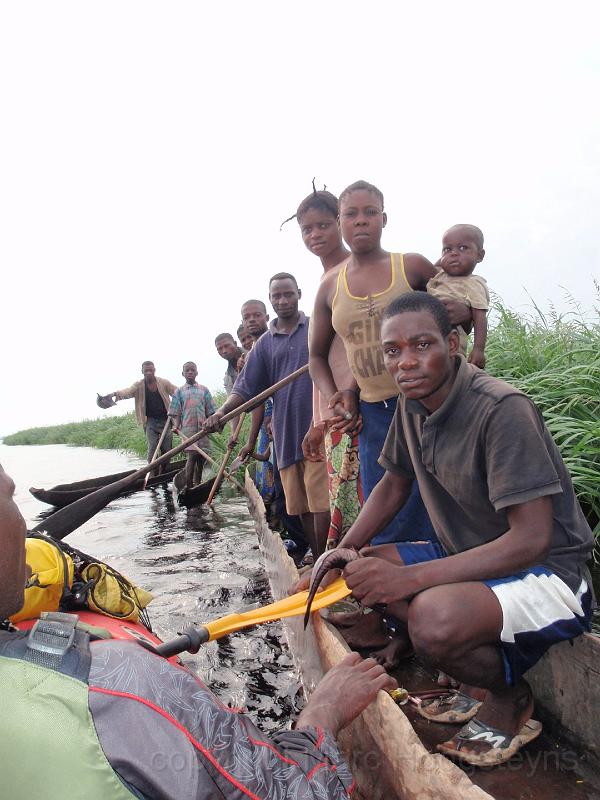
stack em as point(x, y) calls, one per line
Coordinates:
point(509, 578)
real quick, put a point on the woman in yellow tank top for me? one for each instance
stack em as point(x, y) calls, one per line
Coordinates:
point(350, 304)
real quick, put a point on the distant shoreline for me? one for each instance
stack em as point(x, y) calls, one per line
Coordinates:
point(112, 433)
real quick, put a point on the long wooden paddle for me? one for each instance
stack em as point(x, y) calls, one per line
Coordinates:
point(292, 606)
point(227, 474)
point(207, 457)
point(230, 447)
point(158, 446)
point(68, 519)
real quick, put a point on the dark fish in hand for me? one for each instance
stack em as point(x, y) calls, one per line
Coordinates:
point(331, 559)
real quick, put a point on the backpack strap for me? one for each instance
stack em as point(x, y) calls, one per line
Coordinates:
point(54, 643)
point(50, 639)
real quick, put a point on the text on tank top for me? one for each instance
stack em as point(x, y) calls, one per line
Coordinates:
point(357, 320)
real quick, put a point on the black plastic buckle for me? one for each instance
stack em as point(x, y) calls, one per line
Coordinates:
point(52, 636)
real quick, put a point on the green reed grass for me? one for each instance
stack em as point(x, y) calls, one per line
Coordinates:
point(553, 358)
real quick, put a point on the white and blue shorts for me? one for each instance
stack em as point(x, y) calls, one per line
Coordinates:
point(538, 609)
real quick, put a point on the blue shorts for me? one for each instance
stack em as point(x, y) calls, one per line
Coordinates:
point(412, 521)
point(538, 609)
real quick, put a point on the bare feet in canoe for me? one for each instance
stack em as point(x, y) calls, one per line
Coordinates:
point(345, 691)
point(502, 726)
point(392, 655)
point(344, 619)
point(369, 632)
point(365, 631)
point(447, 680)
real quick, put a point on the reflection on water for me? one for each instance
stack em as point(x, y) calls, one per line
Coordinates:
point(200, 564)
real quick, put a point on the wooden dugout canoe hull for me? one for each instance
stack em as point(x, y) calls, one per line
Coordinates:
point(385, 755)
point(196, 496)
point(388, 759)
point(566, 687)
point(64, 494)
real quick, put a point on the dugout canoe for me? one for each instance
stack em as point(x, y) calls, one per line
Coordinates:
point(384, 753)
point(63, 494)
point(384, 749)
point(196, 496)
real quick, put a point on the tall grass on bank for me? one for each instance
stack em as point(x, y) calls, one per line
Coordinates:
point(117, 433)
point(555, 360)
point(114, 433)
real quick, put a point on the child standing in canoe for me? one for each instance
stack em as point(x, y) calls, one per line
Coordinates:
point(192, 403)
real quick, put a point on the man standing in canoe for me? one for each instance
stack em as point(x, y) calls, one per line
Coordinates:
point(255, 318)
point(277, 353)
point(230, 351)
point(267, 477)
point(152, 397)
point(114, 720)
point(508, 578)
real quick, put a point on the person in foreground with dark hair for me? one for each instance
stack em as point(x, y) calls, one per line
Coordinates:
point(133, 725)
point(508, 578)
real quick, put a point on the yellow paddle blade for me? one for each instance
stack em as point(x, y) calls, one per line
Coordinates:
point(291, 606)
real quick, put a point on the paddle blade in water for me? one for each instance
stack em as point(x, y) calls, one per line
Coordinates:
point(292, 606)
point(67, 519)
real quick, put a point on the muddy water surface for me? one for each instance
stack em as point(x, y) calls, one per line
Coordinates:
point(200, 564)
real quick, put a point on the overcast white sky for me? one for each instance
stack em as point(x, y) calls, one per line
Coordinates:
point(149, 152)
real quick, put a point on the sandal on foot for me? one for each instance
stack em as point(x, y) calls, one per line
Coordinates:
point(503, 746)
point(454, 707)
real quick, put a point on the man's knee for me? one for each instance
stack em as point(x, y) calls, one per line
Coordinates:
point(434, 626)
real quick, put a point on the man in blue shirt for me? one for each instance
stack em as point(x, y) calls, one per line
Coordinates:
point(279, 352)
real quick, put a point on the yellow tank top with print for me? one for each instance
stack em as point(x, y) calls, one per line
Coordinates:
point(357, 320)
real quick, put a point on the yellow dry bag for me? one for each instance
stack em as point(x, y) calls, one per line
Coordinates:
point(113, 594)
point(51, 578)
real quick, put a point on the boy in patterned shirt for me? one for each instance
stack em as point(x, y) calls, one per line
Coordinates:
point(462, 250)
point(191, 404)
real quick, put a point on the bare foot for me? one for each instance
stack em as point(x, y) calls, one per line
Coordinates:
point(343, 619)
point(302, 583)
point(345, 691)
point(447, 680)
point(369, 631)
point(390, 656)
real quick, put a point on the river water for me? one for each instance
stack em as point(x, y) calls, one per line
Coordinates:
point(200, 564)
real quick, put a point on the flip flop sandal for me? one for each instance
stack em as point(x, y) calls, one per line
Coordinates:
point(503, 746)
point(454, 707)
